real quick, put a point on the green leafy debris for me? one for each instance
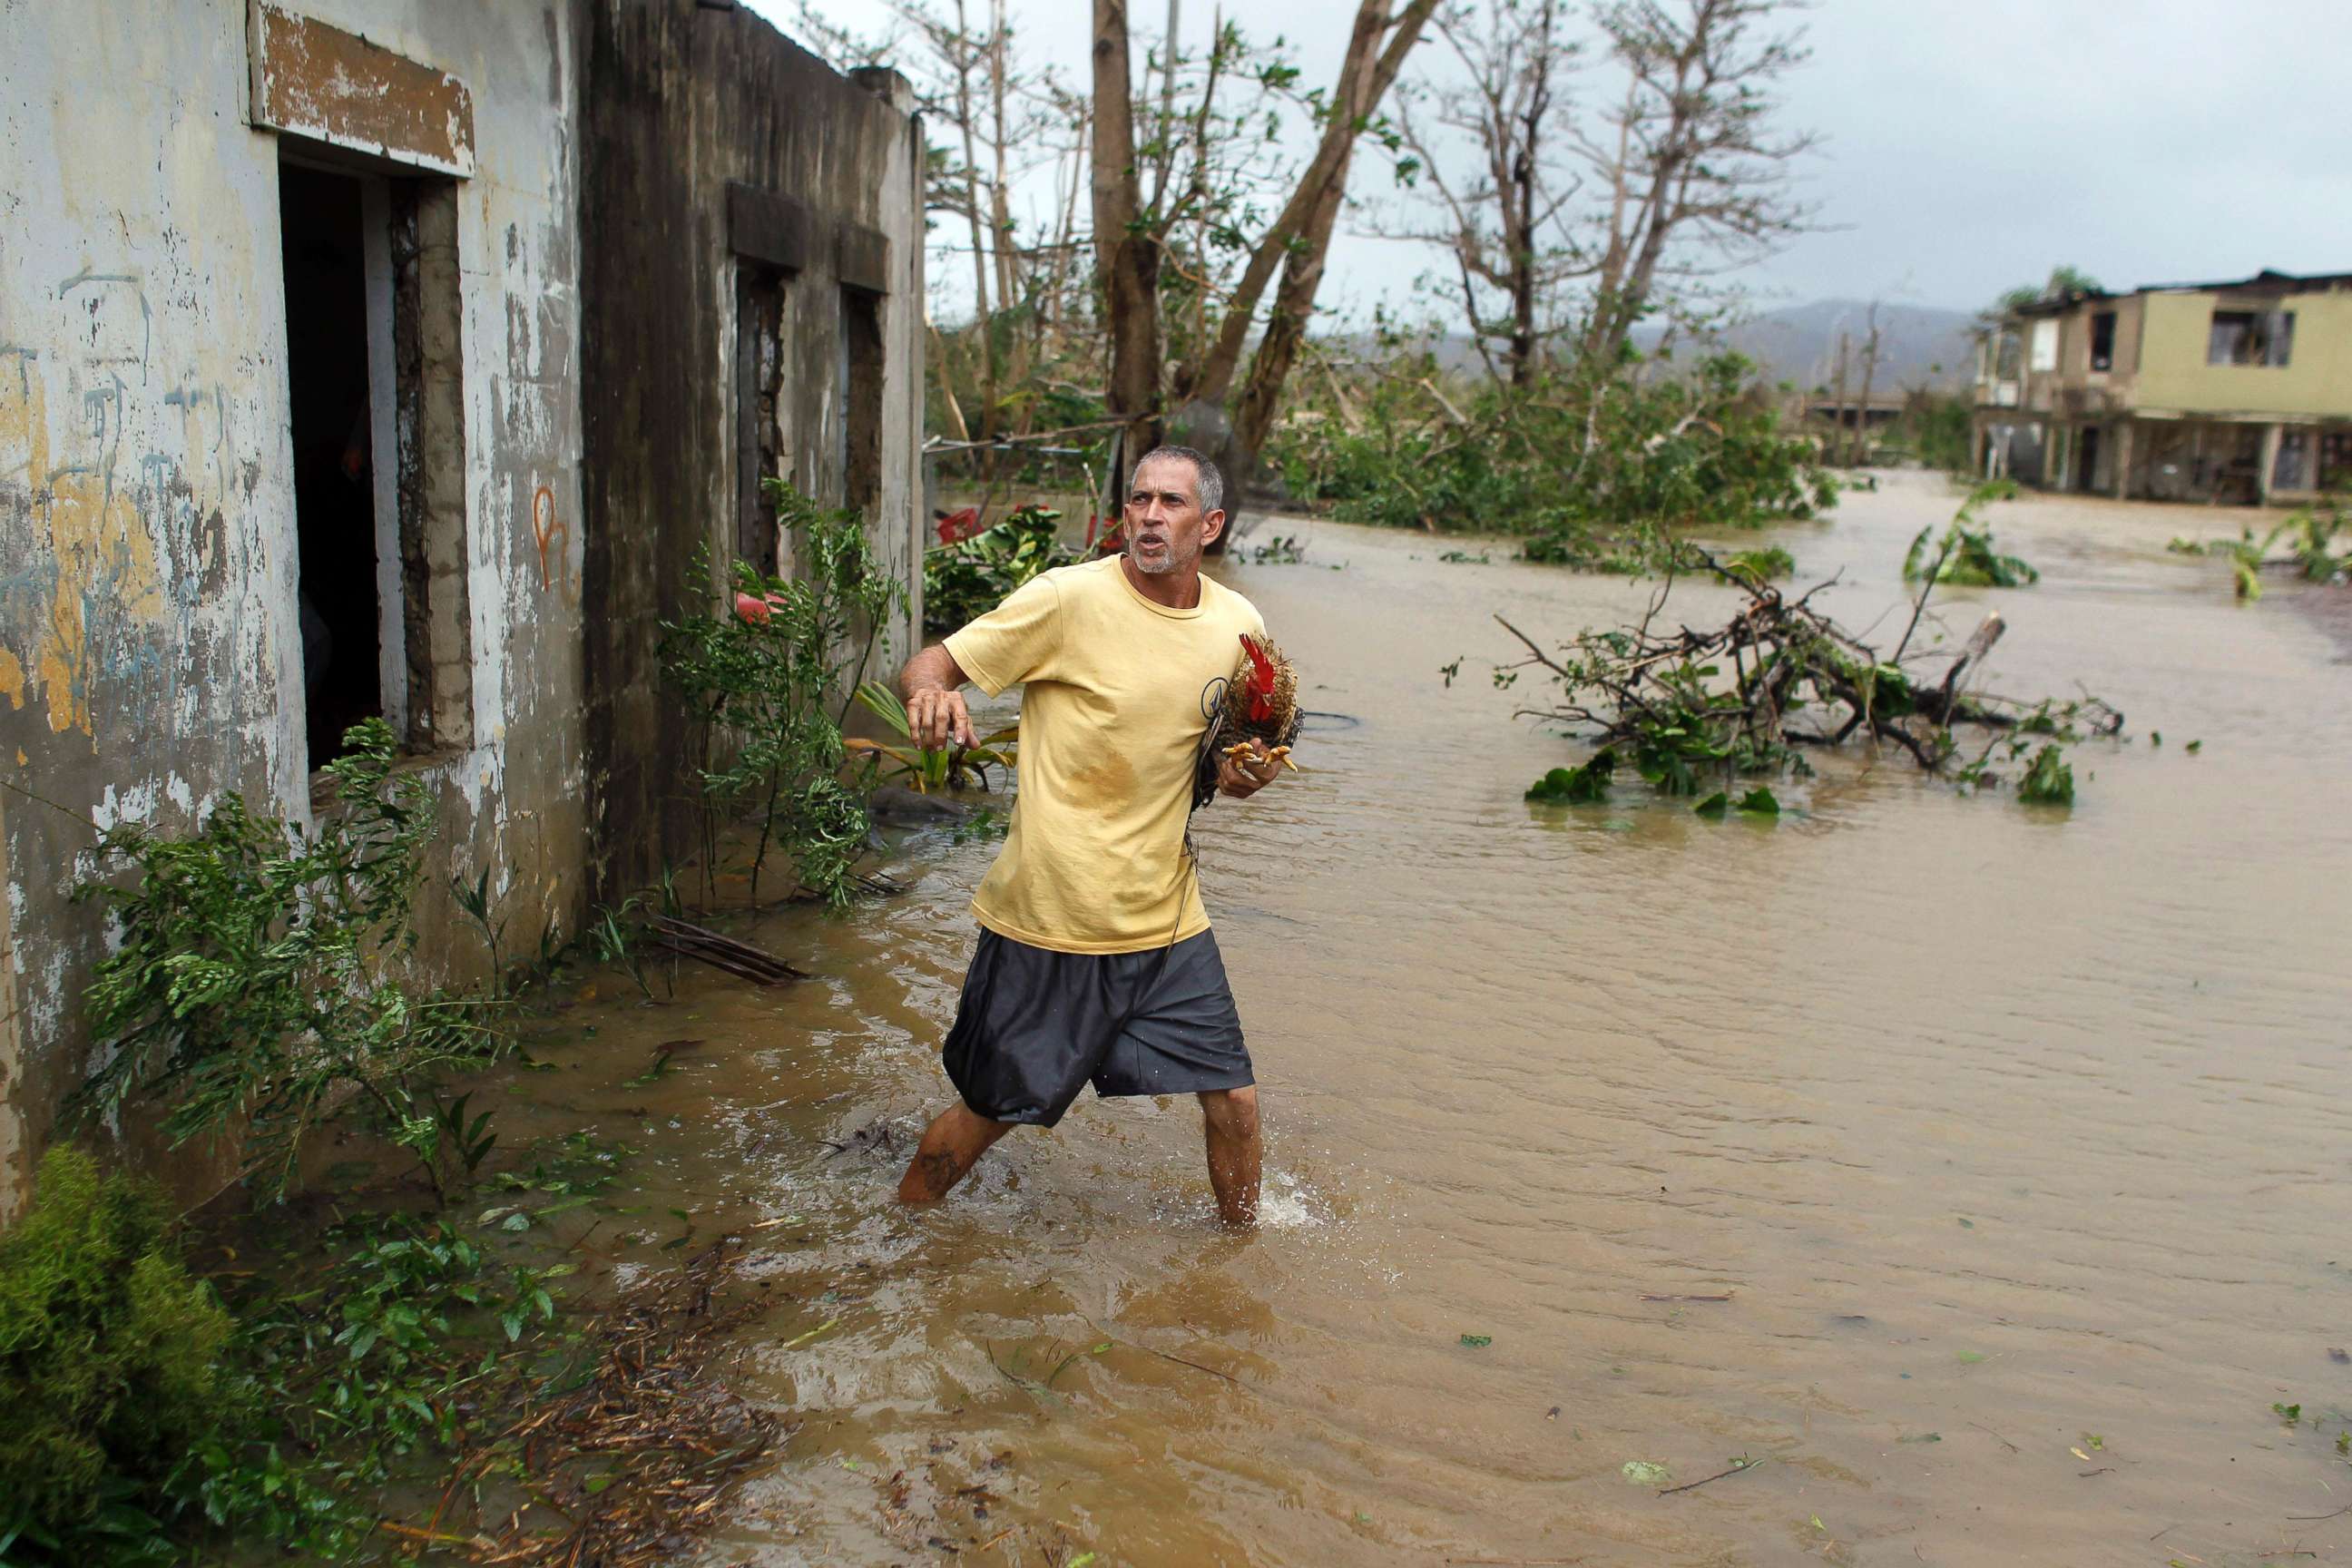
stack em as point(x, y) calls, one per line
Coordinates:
point(1582, 785)
point(2048, 780)
point(1965, 555)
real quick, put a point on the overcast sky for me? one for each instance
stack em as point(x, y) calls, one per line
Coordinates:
point(1967, 144)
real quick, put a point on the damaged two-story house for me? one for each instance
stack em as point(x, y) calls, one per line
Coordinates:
point(392, 358)
point(2227, 393)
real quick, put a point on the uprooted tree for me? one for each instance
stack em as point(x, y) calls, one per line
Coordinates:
point(1693, 710)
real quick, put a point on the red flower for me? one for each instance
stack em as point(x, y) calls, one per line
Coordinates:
point(958, 525)
point(754, 611)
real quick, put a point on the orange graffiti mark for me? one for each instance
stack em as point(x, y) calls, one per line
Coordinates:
point(545, 527)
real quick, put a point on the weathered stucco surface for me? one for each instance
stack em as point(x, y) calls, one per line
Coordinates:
point(150, 644)
point(151, 637)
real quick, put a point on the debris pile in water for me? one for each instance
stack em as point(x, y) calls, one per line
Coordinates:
point(1690, 708)
point(639, 1458)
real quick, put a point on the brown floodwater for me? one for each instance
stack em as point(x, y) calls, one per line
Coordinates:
point(2016, 1138)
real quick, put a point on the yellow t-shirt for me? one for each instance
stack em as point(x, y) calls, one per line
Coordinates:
point(1111, 722)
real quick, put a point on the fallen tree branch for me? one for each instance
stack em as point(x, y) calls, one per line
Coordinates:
point(1696, 709)
point(707, 946)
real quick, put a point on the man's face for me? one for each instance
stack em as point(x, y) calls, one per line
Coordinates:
point(1166, 528)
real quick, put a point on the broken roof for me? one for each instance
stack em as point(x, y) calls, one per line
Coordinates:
point(2266, 281)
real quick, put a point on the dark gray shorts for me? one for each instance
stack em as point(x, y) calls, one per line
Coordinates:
point(1036, 1026)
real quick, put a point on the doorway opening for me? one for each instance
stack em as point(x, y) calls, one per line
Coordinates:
point(323, 235)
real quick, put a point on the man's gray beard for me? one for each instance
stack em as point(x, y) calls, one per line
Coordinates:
point(1167, 564)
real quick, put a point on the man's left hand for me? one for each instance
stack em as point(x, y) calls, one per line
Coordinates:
point(1242, 774)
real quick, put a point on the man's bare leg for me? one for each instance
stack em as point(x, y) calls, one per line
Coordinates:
point(951, 1146)
point(1229, 1122)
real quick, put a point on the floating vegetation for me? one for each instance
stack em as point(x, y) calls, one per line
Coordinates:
point(1965, 555)
point(1709, 714)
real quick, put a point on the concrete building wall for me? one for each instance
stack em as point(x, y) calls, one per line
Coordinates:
point(151, 639)
point(542, 433)
point(2315, 380)
point(743, 205)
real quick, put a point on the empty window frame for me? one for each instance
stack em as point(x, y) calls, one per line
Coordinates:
point(2336, 459)
point(759, 454)
point(375, 410)
point(860, 395)
point(2290, 469)
point(2103, 340)
point(2251, 337)
point(2045, 355)
point(2008, 356)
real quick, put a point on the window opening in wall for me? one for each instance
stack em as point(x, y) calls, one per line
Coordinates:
point(376, 418)
point(2251, 337)
point(2008, 356)
point(2103, 340)
point(2290, 467)
point(860, 393)
point(2046, 347)
point(2336, 460)
point(758, 410)
point(323, 244)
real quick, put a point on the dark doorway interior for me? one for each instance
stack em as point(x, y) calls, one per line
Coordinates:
point(323, 237)
point(2086, 466)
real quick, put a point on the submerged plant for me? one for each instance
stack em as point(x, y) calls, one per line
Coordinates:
point(1582, 785)
point(1965, 555)
point(2047, 781)
point(928, 769)
point(2309, 537)
point(773, 681)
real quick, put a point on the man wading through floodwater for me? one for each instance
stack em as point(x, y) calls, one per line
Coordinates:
point(1096, 963)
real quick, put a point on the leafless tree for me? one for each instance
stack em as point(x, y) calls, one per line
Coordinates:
point(1503, 218)
point(1694, 172)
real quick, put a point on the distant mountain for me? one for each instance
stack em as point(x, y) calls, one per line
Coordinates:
point(1919, 345)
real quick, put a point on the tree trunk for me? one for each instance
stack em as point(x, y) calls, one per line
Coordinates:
point(1869, 372)
point(1126, 256)
point(1303, 258)
point(1837, 412)
point(1522, 231)
point(1008, 261)
point(980, 247)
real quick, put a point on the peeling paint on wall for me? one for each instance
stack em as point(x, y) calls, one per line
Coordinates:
point(318, 80)
point(86, 567)
point(151, 653)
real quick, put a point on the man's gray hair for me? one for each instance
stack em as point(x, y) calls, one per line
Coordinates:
point(1212, 485)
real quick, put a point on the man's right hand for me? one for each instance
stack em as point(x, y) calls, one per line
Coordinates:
point(936, 717)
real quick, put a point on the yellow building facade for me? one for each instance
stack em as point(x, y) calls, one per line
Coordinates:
point(2224, 393)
